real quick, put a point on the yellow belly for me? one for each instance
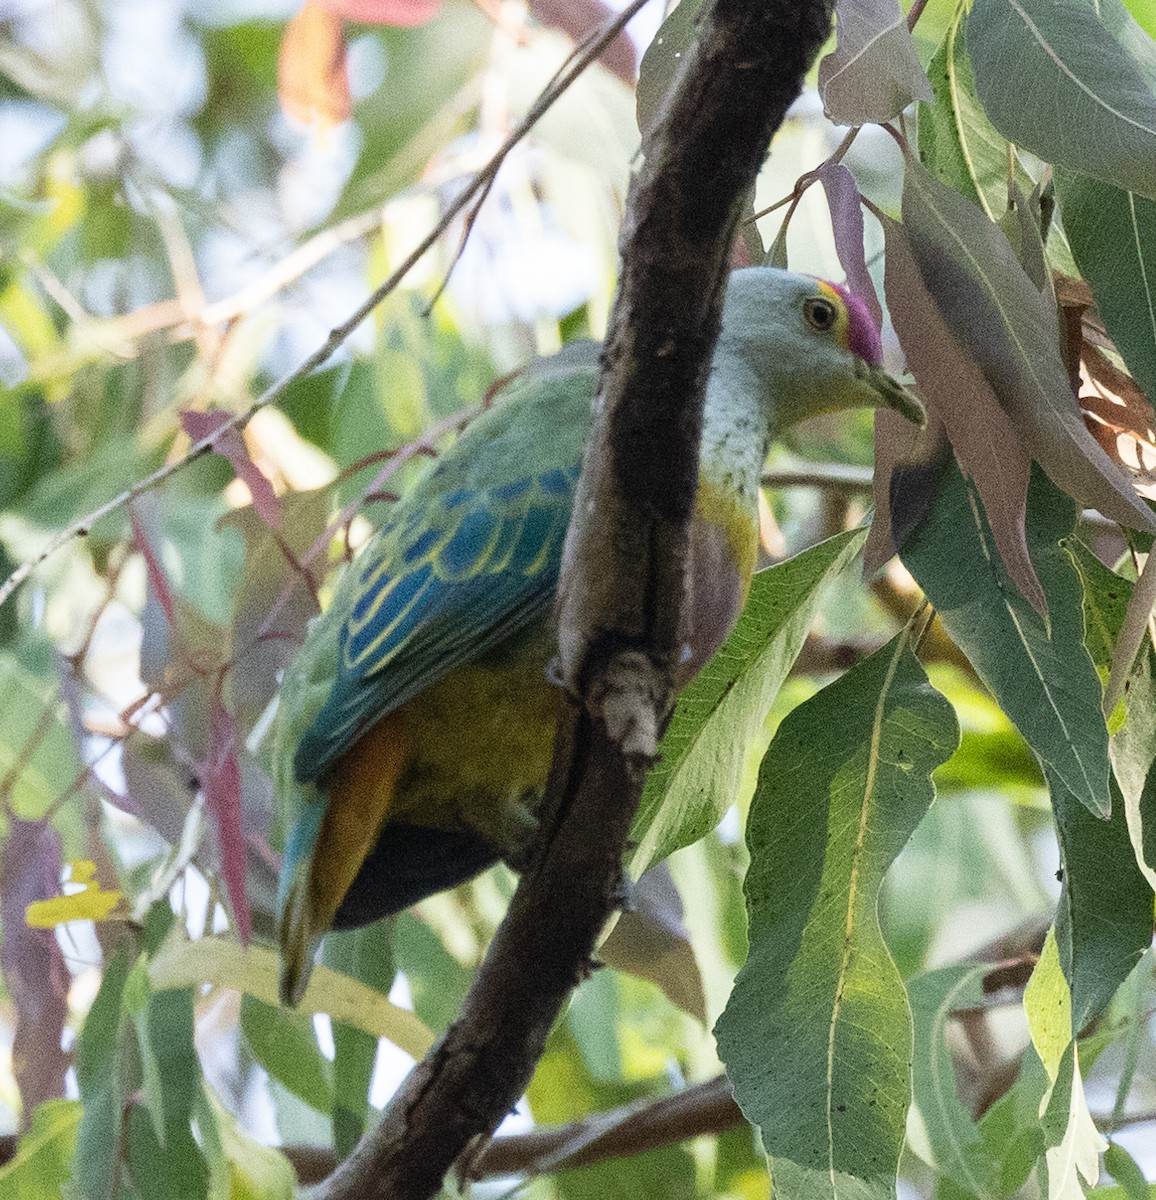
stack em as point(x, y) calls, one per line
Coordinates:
point(478, 745)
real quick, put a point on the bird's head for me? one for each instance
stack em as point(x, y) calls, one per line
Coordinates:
point(813, 345)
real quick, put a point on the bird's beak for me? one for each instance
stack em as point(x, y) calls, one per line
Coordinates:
point(891, 393)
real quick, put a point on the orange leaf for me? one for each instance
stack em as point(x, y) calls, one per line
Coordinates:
point(312, 82)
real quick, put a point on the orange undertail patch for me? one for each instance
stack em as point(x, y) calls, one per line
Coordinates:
point(360, 794)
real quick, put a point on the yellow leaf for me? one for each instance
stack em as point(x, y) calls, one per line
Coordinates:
point(1048, 1004)
point(89, 904)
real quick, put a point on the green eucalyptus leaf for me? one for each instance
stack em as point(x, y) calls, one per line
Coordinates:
point(874, 72)
point(1010, 1130)
point(105, 1078)
point(42, 1164)
point(1123, 1167)
point(37, 754)
point(663, 57)
point(1040, 672)
point(284, 1043)
point(1055, 79)
point(1011, 330)
point(957, 142)
point(952, 1136)
point(254, 1171)
point(719, 714)
point(172, 1169)
point(817, 1035)
point(1104, 918)
point(1133, 745)
point(963, 149)
point(1072, 1142)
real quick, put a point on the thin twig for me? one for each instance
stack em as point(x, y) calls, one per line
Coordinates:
point(839, 477)
point(915, 12)
point(592, 39)
point(805, 181)
point(290, 268)
point(579, 61)
point(795, 195)
point(54, 288)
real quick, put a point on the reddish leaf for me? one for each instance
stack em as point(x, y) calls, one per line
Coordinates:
point(231, 445)
point(741, 251)
point(580, 18)
point(160, 788)
point(222, 782)
point(1011, 332)
point(405, 13)
point(981, 433)
point(312, 82)
point(158, 583)
point(276, 598)
point(34, 970)
point(843, 201)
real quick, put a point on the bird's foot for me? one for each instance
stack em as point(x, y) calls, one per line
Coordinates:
point(520, 829)
point(624, 895)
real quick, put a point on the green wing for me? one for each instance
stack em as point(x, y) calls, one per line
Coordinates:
point(471, 555)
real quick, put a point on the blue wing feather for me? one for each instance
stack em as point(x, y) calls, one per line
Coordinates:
point(479, 565)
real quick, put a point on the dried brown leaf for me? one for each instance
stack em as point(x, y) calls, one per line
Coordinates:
point(1116, 396)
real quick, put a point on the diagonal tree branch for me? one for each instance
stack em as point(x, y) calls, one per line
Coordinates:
point(622, 584)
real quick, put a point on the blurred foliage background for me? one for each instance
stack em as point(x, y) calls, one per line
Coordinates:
point(173, 241)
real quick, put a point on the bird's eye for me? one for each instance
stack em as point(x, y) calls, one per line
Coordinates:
point(821, 314)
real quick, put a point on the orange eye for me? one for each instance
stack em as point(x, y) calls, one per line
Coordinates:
point(821, 314)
